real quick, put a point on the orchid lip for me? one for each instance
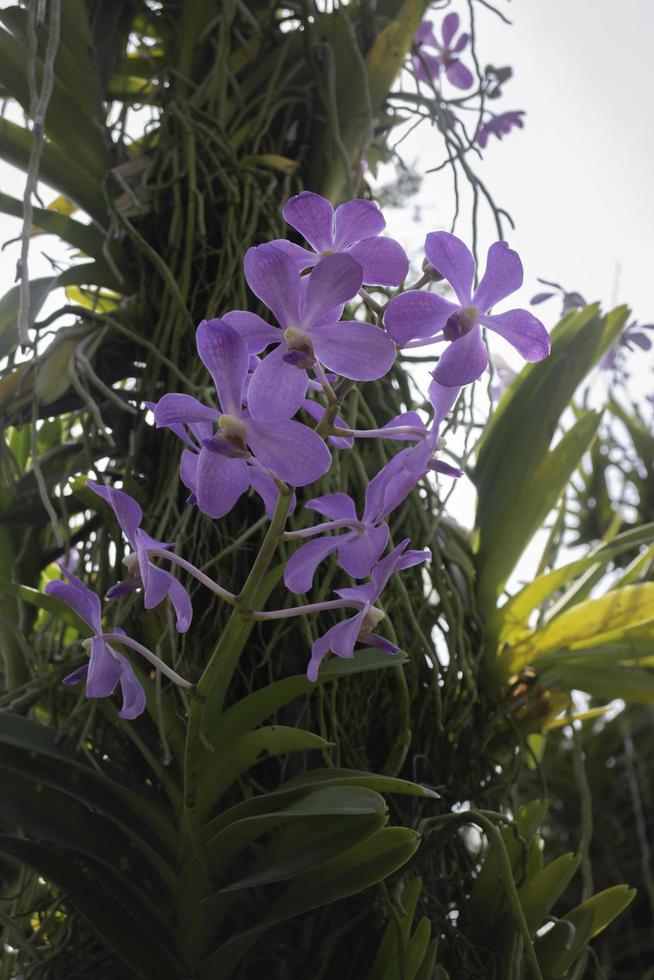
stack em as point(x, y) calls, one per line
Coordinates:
point(299, 349)
point(461, 323)
point(372, 619)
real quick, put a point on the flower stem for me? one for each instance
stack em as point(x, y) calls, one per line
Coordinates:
point(389, 432)
point(127, 641)
point(313, 607)
point(196, 573)
point(215, 666)
point(309, 532)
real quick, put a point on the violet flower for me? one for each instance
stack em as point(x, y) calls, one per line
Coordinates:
point(364, 539)
point(429, 66)
point(219, 473)
point(499, 126)
point(157, 583)
point(106, 667)
point(309, 334)
point(427, 317)
point(354, 229)
point(342, 637)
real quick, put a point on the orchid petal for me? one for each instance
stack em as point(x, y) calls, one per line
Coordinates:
point(502, 277)
point(104, 670)
point(313, 216)
point(226, 357)
point(459, 75)
point(417, 316)
point(523, 331)
point(463, 361)
point(335, 506)
point(181, 603)
point(128, 513)
point(353, 349)
point(358, 552)
point(80, 599)
point(277, 389)
point(176, 408)
point(274, 278)
point(255, 331)
point(442, 399)
point(356, 220)
point(293, 451)
point(334, 281)
point(340, 639)
point(301, 566)
point(220, 481)
point(454, 260)
point(449, 27)
point(383, 260)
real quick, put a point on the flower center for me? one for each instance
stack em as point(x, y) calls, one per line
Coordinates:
point(131, 563)
point(299, 349)
point(372, 619)
point(460, 323)
point(229, 439)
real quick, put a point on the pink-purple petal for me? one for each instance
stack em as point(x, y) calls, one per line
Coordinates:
point(503, 275)
point(336, 506)
point(463, 361)
point(353, 349)
point(313, 216)
point(356, 220)
point(459, 75)
point(226, 357)
point(104, 670)
point(80, 599)
point(220, 481)
point(358, 552)
point(175, 408)
point(417, 316)
point(301, 566)
point(276, 389)
point(181, 603)
point(255, 331)
point(523, 331)
point(442, 400)
point(334, 281)
point(274, 278)
point(293, 451)
point(449, 27)
point(454, 260)
point(383, 260)
point(128, 513)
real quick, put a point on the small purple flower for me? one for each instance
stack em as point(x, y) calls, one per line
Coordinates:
point(223, 468)
point(342, 637)
point(106, 667)
point(427, 317)
point(308, 310)
point(157, 583)
point(571, 301)
point(499, 126)
point(354, 229)
point(429, 66)
point(630, 336)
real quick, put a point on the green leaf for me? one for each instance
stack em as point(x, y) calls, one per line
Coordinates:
point(57, 169)
point(601, 681)
point(309, 781)
point(39, 289)
point(85, 237)
point(219, 772)
point(65, 123)
point(349, 873)
point(255, 708)
point(50, 603)
point(554, 948)
point(510, 619)
point(540, 891)
point(618, 610)
point(132, 930)
point(516, 443)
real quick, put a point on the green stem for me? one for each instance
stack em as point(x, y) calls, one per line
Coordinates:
point(217, 661)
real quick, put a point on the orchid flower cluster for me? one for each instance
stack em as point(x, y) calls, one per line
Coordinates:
point(437, 56)
point(304, 359)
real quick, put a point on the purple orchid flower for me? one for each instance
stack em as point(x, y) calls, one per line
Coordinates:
point(364, 540)
point(219, 473)
point(342, 637)
point(427, 317)
point(157, 583)
point(354, 229)
point(428, 67)
point(499, 126)
point(106, 667)
point(307, 310)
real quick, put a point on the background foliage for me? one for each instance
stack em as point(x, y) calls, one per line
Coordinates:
point(179, 128)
